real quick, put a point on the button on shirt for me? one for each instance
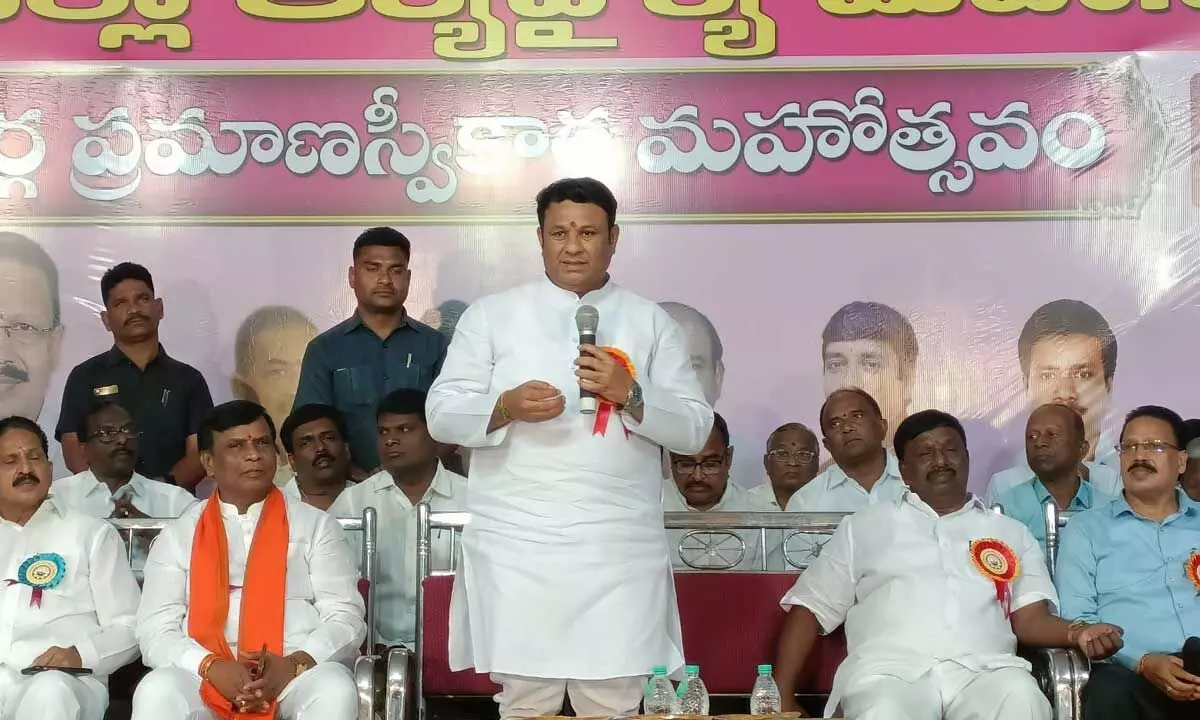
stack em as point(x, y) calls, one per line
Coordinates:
point(715, 549)
point(1118, 567)
point(396, 585)
point(323, 611)
point(902, 580)
point(1103, 478)
point(352, 369)
point(1026, 503)
point(167, 401)
point(92, 609)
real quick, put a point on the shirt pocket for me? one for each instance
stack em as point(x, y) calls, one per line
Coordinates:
point(406, 375)
point(354, 386)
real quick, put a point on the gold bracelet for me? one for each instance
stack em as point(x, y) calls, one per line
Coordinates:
point(206, 665)
point(1141, 663)
point(1073, 630)
point(503, 410)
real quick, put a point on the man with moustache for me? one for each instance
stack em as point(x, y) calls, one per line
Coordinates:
point(160, 392)
point(791, 463)
point(411, 475)
point(1135, 561)
point(354, 364)
point(314, 437)
point(31, 321)
point(704, 344)
point(110, 487)
point(700, 483)
point(248, 551)
point(935, 591)
point(1055, 448)
point(872, 346)
point(565, 585)
point(68, 594)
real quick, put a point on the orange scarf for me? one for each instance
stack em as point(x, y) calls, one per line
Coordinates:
point(263, 592)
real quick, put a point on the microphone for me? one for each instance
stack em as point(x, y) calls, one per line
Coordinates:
point(587, 319)
point(1191, 655)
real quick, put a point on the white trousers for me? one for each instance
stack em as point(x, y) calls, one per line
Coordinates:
point(50, 695)
point(948, 692)
point(523, 697)
point(326, 692)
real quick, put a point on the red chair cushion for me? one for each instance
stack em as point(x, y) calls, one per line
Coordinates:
point(731, 623)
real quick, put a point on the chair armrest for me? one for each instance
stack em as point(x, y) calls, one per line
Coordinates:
point(398, 699)
point(1062, 675)
point(367, 682)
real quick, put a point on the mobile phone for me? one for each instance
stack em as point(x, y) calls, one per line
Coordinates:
point(35, 669)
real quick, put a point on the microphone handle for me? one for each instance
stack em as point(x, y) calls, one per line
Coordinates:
point(587, 398)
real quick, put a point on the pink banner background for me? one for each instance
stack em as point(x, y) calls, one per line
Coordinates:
point(218, 30)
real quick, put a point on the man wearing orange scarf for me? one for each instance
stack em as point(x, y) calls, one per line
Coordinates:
point(250, 607)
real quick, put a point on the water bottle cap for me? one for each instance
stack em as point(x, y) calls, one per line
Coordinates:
point(660, 670)
point(764, 669)
point(693, 669)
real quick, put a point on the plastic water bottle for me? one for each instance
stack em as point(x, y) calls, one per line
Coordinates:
point(660, 694)
point(764, 698)
point(694, 700)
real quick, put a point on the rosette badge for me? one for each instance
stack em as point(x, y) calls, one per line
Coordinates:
point(600, 426)
point(44, 571)
point(1192, 569)
point(998, 563)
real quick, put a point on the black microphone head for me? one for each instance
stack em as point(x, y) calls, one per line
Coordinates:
point(587, 319)
point(1192, 646)
point(1191, 655)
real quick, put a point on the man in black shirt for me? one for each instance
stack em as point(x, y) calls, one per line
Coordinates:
point(166, 398)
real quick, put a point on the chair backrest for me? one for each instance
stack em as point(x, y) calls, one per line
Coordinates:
point(730, 620)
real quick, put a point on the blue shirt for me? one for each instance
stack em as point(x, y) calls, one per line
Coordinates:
point(351, 368)
point(1026, 503)
point(1118, 567)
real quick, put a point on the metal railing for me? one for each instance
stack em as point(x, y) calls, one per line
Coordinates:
point(1055, 520)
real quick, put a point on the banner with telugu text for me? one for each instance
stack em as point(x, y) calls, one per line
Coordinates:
point(881, 193)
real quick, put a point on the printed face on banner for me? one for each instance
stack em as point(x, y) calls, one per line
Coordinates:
point(704, 346)
point(873, 366)
point(1069, 370)
point(268, 354)
point(30, 336)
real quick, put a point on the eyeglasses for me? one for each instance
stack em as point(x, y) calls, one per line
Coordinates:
point(801, 456)
point(109, 435)
point(24, 333)
point(1157, 447)
point(711, 466)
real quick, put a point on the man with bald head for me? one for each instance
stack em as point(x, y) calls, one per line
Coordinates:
point(1055, 446)
point(791, 463)
point(704, 346)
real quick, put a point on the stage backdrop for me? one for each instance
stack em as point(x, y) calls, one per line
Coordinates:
point(976, 206)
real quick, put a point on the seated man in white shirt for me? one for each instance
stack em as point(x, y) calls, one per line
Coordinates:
point(862, 473)
point(791, 461)
point(250, 604)
point(314, 437)
point(411, 474)
point(67, 596)
point(701, 484)
point(110, 488)
point(935, 590)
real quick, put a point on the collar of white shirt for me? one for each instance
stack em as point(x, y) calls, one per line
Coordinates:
point(891, 468)
point(382, 481)
point(554, 292)
point(911, 499)
point(48, 510)
point(137, 484)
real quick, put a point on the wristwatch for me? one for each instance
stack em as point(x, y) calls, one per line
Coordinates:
point(634, 401)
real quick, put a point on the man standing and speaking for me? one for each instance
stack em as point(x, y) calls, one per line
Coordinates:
point(566, 583)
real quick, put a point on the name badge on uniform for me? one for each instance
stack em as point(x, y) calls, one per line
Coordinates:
point(105, 391)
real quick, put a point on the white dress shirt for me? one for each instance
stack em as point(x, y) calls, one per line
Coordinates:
point(291, 489)
point(902, 580)
point(765, 493)
point(323, 612)
point(715, 549)
point(88, 495)
point(566, 569)
point(396, 585)
point(92, 609)
point(1104, 478)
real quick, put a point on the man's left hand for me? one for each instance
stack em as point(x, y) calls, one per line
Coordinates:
point(271, 674)
point(59, 657)
point(1099, 641)
point(598, 372)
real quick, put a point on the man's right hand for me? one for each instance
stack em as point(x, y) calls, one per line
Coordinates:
point(535, 401)
point(1166, 673)
point(228, 677)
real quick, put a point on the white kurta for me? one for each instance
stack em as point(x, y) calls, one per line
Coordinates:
point(566, 570)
